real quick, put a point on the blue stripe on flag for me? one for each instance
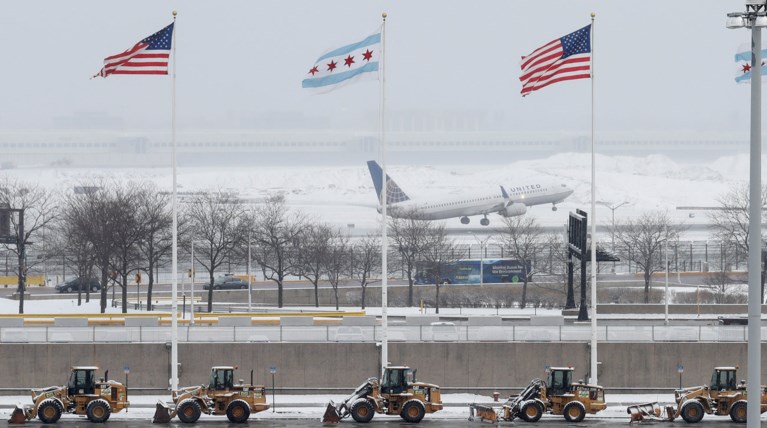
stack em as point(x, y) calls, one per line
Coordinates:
point(746, 56)
point(747, 76)
point(333, 79)
point(370, 40)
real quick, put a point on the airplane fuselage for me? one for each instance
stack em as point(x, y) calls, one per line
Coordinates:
point(527, 195)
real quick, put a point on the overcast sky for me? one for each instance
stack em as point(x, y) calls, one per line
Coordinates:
point(660, 65)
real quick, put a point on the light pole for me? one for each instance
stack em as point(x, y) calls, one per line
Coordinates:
point(755, 17)
point(191, 286)
point(482, 244)
point(612, 208)
point(273, 370)
point(250, 287)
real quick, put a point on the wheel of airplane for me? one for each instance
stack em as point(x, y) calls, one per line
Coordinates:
point(464, 220)
point(553, 207)
point(484, 222)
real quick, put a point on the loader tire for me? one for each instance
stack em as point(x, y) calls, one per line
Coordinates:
point(50, 410)
point(738, 411)
point(413, 411)
point(189, 411)
point(362, 411)
point(238, 411)
point(98, 411)
point(692, 411)
point(574, 411)
point(531, 411)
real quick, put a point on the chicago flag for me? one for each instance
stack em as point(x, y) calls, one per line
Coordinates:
point(347, 64)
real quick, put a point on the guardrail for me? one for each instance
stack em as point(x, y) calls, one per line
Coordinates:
point(398, 333)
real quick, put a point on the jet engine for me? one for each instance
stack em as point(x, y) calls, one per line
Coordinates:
point(513, 210)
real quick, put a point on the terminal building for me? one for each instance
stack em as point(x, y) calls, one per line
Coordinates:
point(99, 148)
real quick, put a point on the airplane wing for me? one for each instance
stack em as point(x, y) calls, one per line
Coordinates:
point(502, 205)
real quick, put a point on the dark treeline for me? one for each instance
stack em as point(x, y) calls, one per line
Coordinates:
point(112, 231)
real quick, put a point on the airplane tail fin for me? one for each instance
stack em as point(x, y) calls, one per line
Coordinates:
point(504, 194)
point(393, 192)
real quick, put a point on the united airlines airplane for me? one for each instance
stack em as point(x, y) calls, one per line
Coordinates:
point(509, 203)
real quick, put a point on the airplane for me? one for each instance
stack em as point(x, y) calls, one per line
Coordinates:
point(508, 204)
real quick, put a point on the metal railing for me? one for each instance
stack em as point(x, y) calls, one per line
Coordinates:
point(397, 333)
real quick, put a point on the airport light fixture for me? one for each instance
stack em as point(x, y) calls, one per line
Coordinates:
point(482, 248)
point(754, 18)
point(613, 207)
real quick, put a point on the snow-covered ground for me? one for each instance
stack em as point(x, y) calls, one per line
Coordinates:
point(313, 406)
point(344, 195)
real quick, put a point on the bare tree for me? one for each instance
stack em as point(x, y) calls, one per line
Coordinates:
point(156, 218)
point(337, 259)
point(77, 252)
point(127, 232)
point(642, 241)
point(520, 237)
point(409, 233)
point(277, 236)
point(730, 221)
point(439, 253)
point(366, 262)
point(39, 210)
point(313, 255)
point(217, 220)
point(94, 213)
point(554, 263)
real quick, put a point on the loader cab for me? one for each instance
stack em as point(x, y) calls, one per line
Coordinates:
point(221, 378)
point(723, 379)
point(82, 381)
point(559, 380)
point(396, 379)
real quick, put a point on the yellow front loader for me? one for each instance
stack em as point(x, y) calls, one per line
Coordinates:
point(222, 396)
point(83, 394)
point(723, 396)
point(559, 395)
point(398, 393)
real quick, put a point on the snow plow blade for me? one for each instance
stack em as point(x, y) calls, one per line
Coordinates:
point(484, 413)
point(648, 412)
point(19, 415)
point(162, 413)
point(331, 414)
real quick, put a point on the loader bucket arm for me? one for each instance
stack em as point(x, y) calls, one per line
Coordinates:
point(513, 404)
point(335, 412)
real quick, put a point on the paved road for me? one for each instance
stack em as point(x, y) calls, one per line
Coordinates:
point(391, 423)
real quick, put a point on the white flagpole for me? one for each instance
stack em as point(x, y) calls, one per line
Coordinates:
point(384, 190)
point(593, 221)
point(174, 269)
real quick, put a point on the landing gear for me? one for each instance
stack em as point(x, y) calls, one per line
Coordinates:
point(553, 207)
point(485, 221)
point(464, 220)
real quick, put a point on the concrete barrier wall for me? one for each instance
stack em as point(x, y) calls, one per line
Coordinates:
point(495, 366)
point(675, 309)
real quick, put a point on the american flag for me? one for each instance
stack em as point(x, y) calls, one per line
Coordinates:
point(566, 58)
point(149, 56)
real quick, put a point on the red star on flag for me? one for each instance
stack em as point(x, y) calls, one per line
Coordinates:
point(331, 66)
point(314, 70)
point(367, 55)
point(746, 68)
point(349, 61)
